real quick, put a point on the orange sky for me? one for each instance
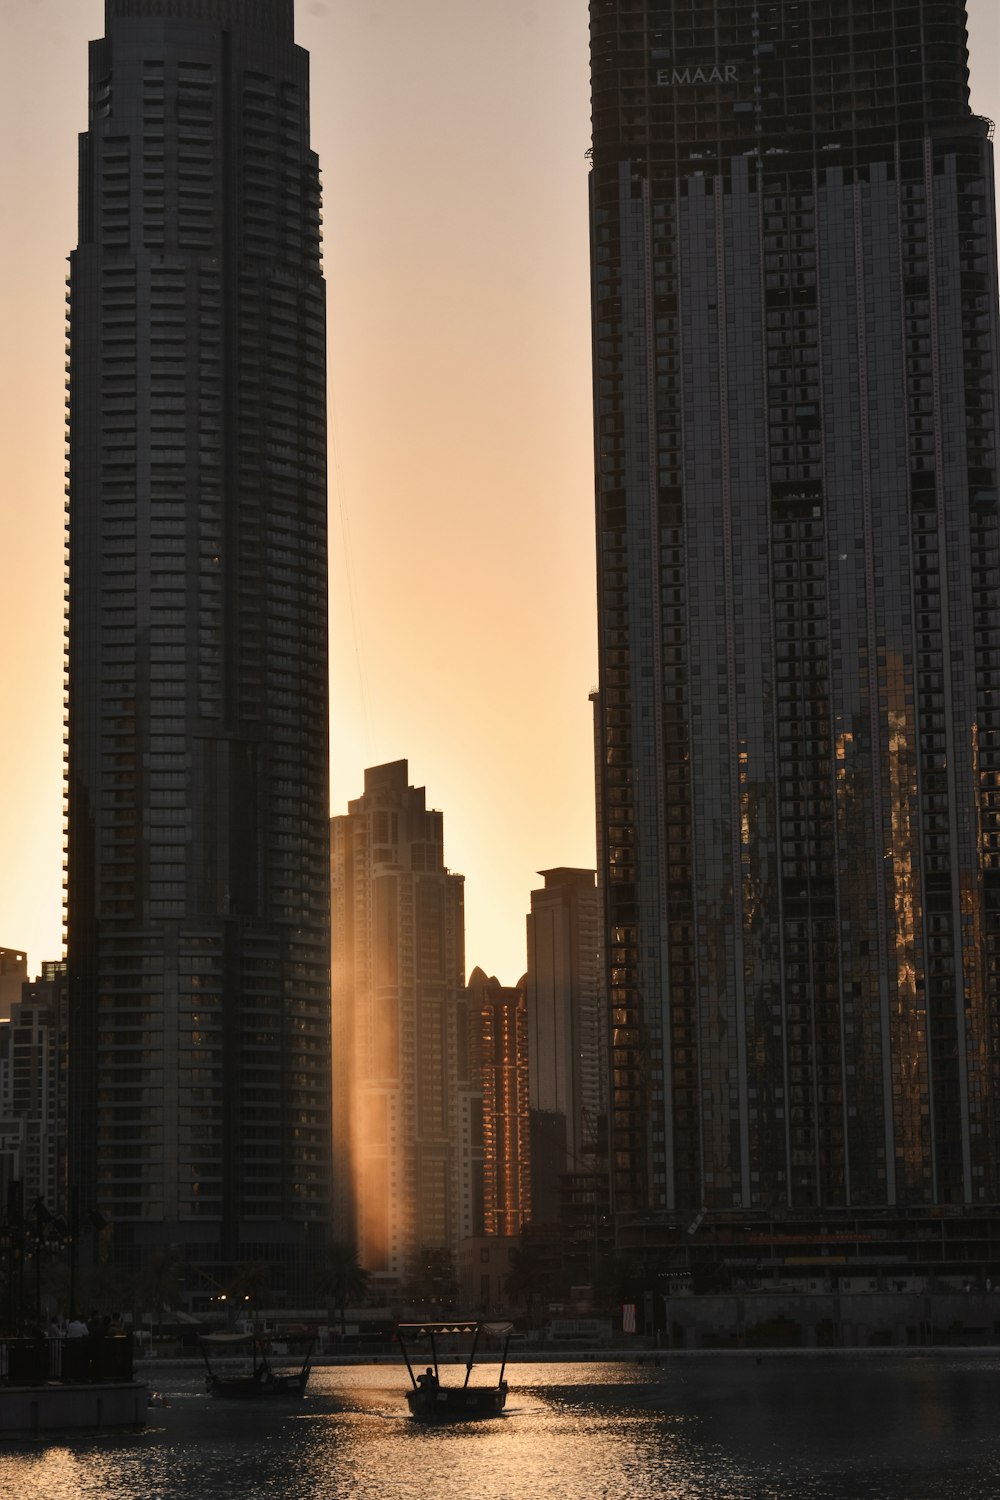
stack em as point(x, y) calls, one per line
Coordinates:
point(452, 136)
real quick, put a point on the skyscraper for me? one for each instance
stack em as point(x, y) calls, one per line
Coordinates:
point(498, 1019)
point(567, 1036)
point(400, 1019)
point(198, 887)
point(795, 383)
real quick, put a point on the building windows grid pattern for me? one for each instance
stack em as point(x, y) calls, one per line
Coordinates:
point(795, 349)
point(199, 836)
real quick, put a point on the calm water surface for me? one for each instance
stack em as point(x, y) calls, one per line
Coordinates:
point(722, 1427)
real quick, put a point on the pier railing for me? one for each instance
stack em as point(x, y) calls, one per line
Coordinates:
point(81, 1361)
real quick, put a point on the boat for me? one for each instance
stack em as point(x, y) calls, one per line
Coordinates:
point(431, 1401)
point(256, 1377)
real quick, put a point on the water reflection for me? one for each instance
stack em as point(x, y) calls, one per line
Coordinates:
point(712, 1428)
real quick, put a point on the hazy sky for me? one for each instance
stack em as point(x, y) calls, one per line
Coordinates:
point(452, 135)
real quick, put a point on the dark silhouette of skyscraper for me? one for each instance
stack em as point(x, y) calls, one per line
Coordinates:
point(198, 889)
point(795, 380)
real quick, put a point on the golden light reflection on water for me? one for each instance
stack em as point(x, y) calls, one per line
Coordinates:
point(694, 1428)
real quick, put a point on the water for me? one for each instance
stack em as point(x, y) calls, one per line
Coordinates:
point(711, 1427)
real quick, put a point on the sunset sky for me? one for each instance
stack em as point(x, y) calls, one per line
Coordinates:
point(452, 135)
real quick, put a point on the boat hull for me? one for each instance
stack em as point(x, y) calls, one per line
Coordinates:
point(268, 1388)
point(457, 1403)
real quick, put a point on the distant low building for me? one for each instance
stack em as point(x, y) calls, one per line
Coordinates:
point(483, 1263)
point(33, 1091)
point(13, 974)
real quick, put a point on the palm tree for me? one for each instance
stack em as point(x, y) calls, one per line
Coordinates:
point(343, 1281)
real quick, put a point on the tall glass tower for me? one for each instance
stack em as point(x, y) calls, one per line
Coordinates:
point(795, 380)
point(404, 1127)
point(198, 885)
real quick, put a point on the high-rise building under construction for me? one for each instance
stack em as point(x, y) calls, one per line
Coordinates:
point(795, 393)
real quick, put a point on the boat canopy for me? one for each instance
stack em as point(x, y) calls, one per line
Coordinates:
point(493, 1329)
point(227, 1340)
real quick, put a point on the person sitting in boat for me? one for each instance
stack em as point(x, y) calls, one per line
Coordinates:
point(428, 1381)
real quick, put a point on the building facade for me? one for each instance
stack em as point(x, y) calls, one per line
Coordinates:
point(795, 386)
point(13, 974)
point(482, 1266)
point(471, 1140)
point(198, 888)
point(500, 1015)
point(33, 1078)
point(398, 993)
point(567, 1020)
